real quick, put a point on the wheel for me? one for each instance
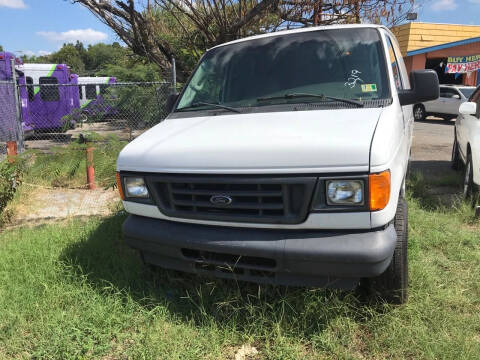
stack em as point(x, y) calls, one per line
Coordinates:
point(469, 188)
point(392, 285)
point(419, 112)
point(456, 162)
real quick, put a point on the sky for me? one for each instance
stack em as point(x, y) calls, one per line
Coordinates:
point(38, 27)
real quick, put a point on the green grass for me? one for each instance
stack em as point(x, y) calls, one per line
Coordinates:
point(65, 166)
point(74, 290)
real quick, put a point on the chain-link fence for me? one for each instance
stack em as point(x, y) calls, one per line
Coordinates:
point(9, 128)
point(63, 112)
point(69, 133)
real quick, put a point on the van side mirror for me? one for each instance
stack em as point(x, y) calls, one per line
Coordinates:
point(170, 103)
point(425, 87)
point(468, 108)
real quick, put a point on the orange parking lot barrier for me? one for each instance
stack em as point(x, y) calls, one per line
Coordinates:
point(90, 169)
point(12, 151)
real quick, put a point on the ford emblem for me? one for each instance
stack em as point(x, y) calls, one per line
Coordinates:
point(221, 200)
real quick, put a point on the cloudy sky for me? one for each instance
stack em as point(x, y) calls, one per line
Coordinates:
point(42, 26)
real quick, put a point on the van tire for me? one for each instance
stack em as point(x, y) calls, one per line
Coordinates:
point(392, 285)
point(419, 112)
point(456, 162)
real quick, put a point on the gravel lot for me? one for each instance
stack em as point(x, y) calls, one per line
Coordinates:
point(432, 146)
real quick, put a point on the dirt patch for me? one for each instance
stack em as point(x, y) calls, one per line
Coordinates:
point(46, 204)
point(119, 128)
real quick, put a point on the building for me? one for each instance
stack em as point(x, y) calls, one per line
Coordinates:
point(453, 51)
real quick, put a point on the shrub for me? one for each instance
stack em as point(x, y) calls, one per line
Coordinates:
point(10, 179)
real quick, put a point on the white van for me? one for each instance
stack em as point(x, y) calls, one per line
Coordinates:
point(282, 161)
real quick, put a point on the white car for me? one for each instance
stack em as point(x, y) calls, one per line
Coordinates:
point(466, 145)
point(282, 161)
point(447, 105)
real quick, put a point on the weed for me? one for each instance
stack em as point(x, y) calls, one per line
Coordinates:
point(75, 290)
point(66, 166)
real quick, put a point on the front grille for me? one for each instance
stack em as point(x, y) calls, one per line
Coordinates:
point(250, 199)
point(213, 262)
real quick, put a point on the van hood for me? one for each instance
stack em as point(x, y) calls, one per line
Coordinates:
point(316, 141)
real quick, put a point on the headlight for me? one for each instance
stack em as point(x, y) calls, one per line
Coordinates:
point(135, 187)
point(345, 192)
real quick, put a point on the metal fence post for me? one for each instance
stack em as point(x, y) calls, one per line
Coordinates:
point(174, 76)
point(17, 107)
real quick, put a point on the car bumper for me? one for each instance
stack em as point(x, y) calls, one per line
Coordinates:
point(284, 257)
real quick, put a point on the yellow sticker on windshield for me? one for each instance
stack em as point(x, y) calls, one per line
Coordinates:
point(369, 87)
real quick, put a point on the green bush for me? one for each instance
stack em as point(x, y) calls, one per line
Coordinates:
point(10, 179)
point(141, 106)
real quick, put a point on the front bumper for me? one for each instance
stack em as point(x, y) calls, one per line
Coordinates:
point(284, 257)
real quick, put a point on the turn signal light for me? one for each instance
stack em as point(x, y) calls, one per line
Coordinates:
point(379, 189)
point(119, 186)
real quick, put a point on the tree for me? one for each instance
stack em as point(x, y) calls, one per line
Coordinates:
point(325, 12)
point(69, 54)
point(161, 29)
point(81, 51)
point(101, 54)
point(147, 29)
point(135, 72)
point(1, 48)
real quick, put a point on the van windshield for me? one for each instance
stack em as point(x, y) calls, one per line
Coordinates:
point(340, 63)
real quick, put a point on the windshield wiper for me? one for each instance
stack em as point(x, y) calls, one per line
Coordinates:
point(201, 103)
point(320, 96)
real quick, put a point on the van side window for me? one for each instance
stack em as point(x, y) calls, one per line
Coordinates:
point(394, 65)
point(49, 93)
point(91, 92)
point(30, 91)
point(80, 92)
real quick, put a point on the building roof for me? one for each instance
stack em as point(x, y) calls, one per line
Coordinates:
point(444, 46)
point(417, 35)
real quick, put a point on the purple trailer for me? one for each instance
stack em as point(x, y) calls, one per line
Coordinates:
point(91, 93)
point(52, 95)
point(8, 111)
